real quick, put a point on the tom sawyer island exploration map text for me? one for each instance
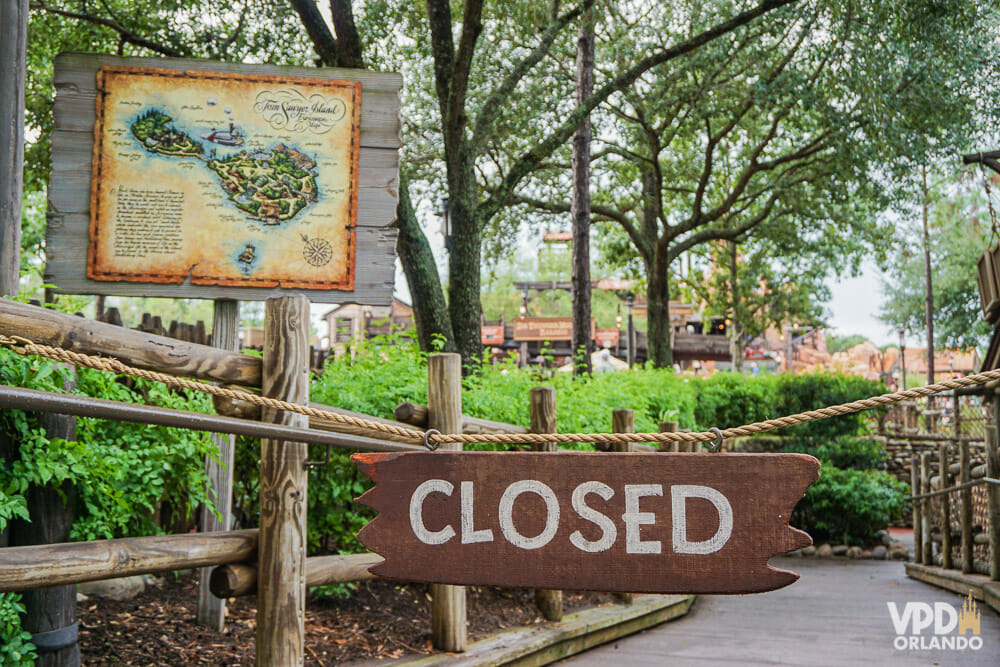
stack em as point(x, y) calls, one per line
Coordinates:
point(242, 180)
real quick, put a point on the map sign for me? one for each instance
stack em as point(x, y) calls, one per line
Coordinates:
point(224, 179)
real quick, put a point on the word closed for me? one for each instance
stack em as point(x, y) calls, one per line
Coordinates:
point(652, 523)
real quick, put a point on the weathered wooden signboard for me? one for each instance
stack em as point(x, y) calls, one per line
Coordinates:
point(188, 178)
point(546, 328)
point(640, 523)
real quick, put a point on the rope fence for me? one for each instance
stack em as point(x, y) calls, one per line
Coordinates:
point(26, 347)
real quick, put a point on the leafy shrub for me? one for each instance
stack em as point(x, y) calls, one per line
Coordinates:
point(16, 649)
point(850, 505)
point(846, 452)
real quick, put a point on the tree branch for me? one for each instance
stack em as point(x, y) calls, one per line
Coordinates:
point(126, 35)
point(349, 50)
point(487, 116)
point(546, 146)
point(319, 34)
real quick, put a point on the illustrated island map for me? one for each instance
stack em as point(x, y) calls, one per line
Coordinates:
point(224, 179)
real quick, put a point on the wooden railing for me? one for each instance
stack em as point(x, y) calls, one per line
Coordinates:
point(271, 560)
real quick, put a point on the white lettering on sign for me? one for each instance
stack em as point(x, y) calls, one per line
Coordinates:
point(507, 514)
point(633, 517)
point(469, 533)
point(416, 513)
point(678, 503)
point(608, 530)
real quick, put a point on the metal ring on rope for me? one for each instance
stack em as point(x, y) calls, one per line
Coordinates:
point(427, 439)
point(717, 444)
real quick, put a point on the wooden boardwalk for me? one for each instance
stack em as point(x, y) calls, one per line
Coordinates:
point(836, 614)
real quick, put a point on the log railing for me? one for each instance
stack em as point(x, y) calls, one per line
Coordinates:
point(279, 576)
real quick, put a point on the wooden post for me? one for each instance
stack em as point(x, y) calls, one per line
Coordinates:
point(13, 44)
point(992, 490)
point(966, 508)
point(50, 612)
point(669, 427)
point(918, 532)
point(542, 402)
point(926, 546)
point(945, 507)
point(444, 413)
point(225, 335)
point(282, 555)
point(623, 421)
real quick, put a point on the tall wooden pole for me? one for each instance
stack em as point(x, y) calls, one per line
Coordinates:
point(13, 45)
point(945, 507)
point(580, 208)
point(623, 421)
point(444, 413)
point(992, 490)
point(918, 530)
point(965, 508)
point(542, 404)
point(50, 612)
point(281, 587)
point(925, 510)
point(225, 335)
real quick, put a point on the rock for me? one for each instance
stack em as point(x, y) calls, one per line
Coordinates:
point(840, 550)
point(809, 551)
point(122, 589)
point(853, 552)
point(883, 537)
point(880, 552)
point(900, 554)
point(825, 551)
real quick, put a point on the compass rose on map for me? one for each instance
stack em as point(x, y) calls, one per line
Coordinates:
point(316, 251)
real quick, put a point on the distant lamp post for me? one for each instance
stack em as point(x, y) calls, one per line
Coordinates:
point(630, 302)
point(445, 215)
point(902, 360)
point(618, 325)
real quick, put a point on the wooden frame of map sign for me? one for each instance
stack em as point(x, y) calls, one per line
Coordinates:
point(226, 181)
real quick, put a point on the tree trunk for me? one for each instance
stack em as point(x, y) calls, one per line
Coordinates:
point(430, 312)
point(658, 344)
point(582, 342)
point(463, 267)
point(735, 328)
point(13, 40)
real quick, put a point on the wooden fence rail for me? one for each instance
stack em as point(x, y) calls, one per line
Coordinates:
point(281, 572)
point(135, 348)
point(24, 568)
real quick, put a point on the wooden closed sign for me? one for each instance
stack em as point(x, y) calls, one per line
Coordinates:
point(642, 523)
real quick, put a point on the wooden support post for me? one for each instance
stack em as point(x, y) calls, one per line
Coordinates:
point(926, 546)
point(13, 45)
point(966, 509)
point(957, 408)
point(444, 413)
point(992, 490)
point(669, 427)
point(225, 335)
point(281, 561)
point(945, 507)
point(623, 421)
point(50, 612)
point(918, 532)
point(542, 403)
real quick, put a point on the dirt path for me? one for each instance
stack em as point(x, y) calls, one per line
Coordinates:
point(836, 614)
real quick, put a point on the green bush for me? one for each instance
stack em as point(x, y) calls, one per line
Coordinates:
point(850, 505)
point(846, 452)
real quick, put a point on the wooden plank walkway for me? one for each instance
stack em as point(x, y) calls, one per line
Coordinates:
point(836, 614)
